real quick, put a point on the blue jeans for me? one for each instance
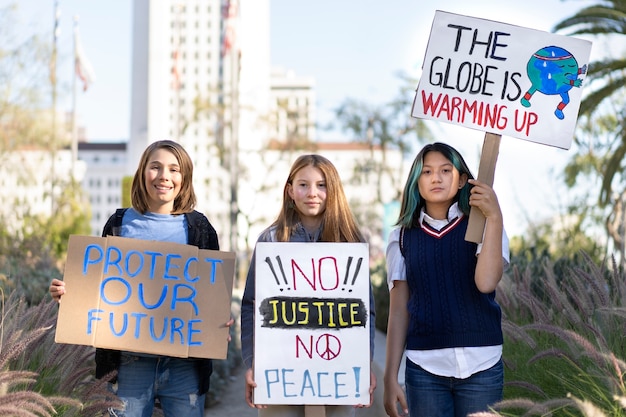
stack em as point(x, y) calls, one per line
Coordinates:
point(430, 395)
point(174, 381)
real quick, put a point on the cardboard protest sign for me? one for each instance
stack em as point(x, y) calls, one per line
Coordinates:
point(312, 325)
point(146, 296)
point(503, 79)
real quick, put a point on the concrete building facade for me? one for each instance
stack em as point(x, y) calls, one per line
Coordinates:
point(201, 76)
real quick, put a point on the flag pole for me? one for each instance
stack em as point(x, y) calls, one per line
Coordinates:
point(74, 124)
point(53, 84)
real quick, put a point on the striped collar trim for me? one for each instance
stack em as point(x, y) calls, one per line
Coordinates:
point(444, 230)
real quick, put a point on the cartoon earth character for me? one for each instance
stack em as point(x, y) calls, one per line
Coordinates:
point(553, 70)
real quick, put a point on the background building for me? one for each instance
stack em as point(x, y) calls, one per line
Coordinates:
point(201, 76)
point(106, 164)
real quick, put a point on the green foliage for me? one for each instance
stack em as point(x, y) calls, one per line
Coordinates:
point(26, 265)
point(380, 289)
point(561, 245)
point(602, 137)
point(23, 85)
point(44, 378)
point(71, 217)
point(31, 256)
point(127, 183)
point(564, 349)
point(605, 18)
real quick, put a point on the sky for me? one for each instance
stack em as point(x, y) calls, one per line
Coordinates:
point(352, 48)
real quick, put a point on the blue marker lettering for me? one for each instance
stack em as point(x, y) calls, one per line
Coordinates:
point(338, 384)
point(153, 261)
point(104, 283)
point(186, 272)
point(307, 384)
point(87, 258)
point(285, 383)
point(191, 332)
point(269, 381)
point(124, 324)
point(142, 298)
point(176, 298)
point(113, 260)
point(91, 317)
point(320, 384)
point(138, 317)
point(176, 325)
point(169, 265)
point(213, 262)
point(129, 256)
point(163, 332)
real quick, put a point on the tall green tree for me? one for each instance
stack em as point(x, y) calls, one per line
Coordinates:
point(602, 139)
point(24, 85)
point(384, 126)
point(32, 245)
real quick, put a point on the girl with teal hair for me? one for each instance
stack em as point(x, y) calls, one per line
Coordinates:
point(442, 308)
point(412, 203)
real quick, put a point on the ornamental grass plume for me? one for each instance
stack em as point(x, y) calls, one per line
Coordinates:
point(39, 377)
point(564, 349)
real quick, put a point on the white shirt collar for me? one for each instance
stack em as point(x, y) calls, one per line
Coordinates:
point(453, 212)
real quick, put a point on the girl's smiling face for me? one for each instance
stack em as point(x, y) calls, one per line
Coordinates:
point(163, 181)
point(308, 192)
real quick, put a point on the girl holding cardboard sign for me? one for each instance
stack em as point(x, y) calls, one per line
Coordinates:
point(442, 292)
point(163, 201)
point(314, 209)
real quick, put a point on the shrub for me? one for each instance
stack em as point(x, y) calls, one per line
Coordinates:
point(564, 350)
point(40, 377)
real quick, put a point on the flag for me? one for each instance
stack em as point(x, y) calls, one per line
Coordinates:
point(176, 54)
point(84, 70)
point(175, 70)
point(229, 14)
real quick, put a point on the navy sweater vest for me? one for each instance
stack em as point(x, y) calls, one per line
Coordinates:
point(445, 307)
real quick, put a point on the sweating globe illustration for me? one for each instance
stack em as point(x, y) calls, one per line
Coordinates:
point(553, 70)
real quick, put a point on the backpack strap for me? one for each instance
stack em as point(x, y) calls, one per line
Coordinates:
point(401, 241)
point(116, 226)
point(119, 215)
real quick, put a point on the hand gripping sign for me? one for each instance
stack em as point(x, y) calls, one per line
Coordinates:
point(146, 296)
point(504, 80)
point(312, 325)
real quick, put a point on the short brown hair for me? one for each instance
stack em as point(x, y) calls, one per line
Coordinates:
point(185, 201)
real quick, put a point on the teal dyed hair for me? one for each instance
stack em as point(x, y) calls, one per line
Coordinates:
point(412, 201)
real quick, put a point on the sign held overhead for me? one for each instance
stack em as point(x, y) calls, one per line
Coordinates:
point(503, 79)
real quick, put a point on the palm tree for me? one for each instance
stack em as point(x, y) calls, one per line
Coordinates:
point(602, 106)
point(608, 17)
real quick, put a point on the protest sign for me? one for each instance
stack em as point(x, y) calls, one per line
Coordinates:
point(312, 325)
point(146, 296)
point(503, 79)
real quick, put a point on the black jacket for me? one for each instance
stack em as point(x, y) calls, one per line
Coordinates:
point(201, 234)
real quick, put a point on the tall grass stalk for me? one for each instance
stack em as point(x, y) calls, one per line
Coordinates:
point(565, 344)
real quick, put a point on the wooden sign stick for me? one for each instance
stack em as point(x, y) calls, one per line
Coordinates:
point(314, 411)
point(486, 171)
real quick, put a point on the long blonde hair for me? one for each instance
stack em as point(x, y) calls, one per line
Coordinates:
point(338, 223)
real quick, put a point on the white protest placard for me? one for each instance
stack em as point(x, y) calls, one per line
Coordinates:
point(312, 334)
point(504, 79)
point(145, 296)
